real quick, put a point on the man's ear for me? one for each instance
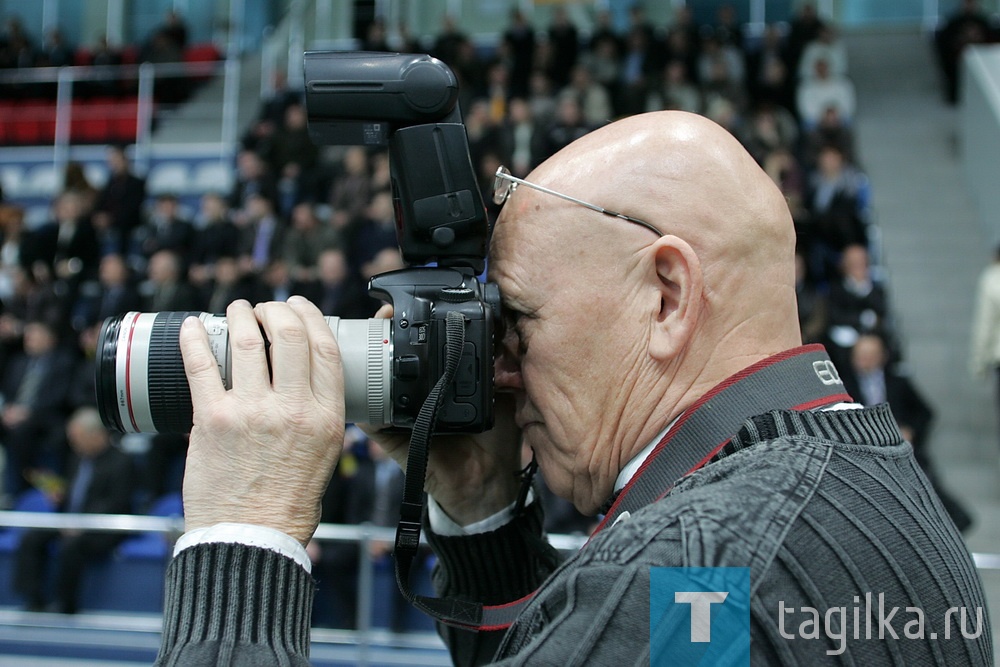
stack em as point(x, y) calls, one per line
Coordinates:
point(679, 284)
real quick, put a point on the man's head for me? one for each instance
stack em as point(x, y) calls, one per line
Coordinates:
point(113, 271)
point(39, 338)
point(213, 208)
point(868, 354)
point(86, 434)
point(164, 267)
point(117, 160)
point(332, 266)
point(615, 331)
point(854, 263)
point(166, 206)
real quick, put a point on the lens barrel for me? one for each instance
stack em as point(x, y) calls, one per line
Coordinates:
point(142, 387)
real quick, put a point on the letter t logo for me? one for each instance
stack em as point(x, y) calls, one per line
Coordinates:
point(701, 611)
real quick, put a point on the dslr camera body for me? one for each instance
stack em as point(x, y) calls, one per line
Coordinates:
point(408, 103)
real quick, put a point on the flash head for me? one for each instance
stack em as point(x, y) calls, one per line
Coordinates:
point(359, 98)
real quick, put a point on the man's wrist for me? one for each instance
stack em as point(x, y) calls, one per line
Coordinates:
point(249, 535)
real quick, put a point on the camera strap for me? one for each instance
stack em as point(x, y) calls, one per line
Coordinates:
point(803, 378)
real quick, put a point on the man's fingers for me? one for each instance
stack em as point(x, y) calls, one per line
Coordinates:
point(384, 312)
point(326, 372)
point(290, 372)
point(249, 366)
point(200, 365)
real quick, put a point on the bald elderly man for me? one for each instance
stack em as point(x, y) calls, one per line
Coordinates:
point(654, 363)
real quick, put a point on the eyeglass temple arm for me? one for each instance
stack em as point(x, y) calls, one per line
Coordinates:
point(592, 207)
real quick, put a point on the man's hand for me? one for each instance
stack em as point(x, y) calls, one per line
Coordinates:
point(470, 476)
point(262, 453)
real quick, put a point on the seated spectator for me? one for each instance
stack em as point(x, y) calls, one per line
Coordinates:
point(828, 47)
point(541, 98)
point(336, 291)
point(83, 390)
point(261, 234)
point(822, 91)
point(602, 62)
point(858, 305)
point(229, 284)
point(636, 75)
point(115, 294)
point(803, 29)
point(55, 52)
point(216, 236)
point(683, 45)
point(306, 240)
point(349, 191)
point(33, 298)
point(280, 98)
point(519, 139)
point(595, 103)
point(164, 229)
point(677, 92)
point(831, 131)
point(721, 71)
point(768, 80)
point(871, 380)
point(838, 202)
point(568, 126)
point(101, 83)
point(252, 178)
point(376, 231)
point(727, 29)
point(100, 482)
point(770, 128)
point(34, 386)
point(780, 164)
point(167, 288)
point(276, 283)
point(67, 245)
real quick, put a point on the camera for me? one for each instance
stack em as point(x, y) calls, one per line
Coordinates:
point(408, 103)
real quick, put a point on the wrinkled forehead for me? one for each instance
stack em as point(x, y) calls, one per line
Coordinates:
point(520, 238)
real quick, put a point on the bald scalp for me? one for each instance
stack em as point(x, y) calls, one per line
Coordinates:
point(691, 178)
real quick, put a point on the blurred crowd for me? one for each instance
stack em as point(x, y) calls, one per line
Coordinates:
point(319, 221)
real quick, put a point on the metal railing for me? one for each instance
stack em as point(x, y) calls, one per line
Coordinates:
point(144, 77)
point(364, 637)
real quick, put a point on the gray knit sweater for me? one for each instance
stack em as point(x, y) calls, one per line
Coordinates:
point(821, 506)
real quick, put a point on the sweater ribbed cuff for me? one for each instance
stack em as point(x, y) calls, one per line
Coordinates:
point(233, 594)
point(494, 567)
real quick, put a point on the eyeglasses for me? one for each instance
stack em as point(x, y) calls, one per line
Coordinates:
point(505, 183)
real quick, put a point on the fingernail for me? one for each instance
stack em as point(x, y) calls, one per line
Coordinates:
point(295, 298)
point(190, 322)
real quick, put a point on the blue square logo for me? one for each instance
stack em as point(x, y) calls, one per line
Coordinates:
point(699, 616)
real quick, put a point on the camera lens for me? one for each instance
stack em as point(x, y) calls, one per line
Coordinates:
point(142, 388)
